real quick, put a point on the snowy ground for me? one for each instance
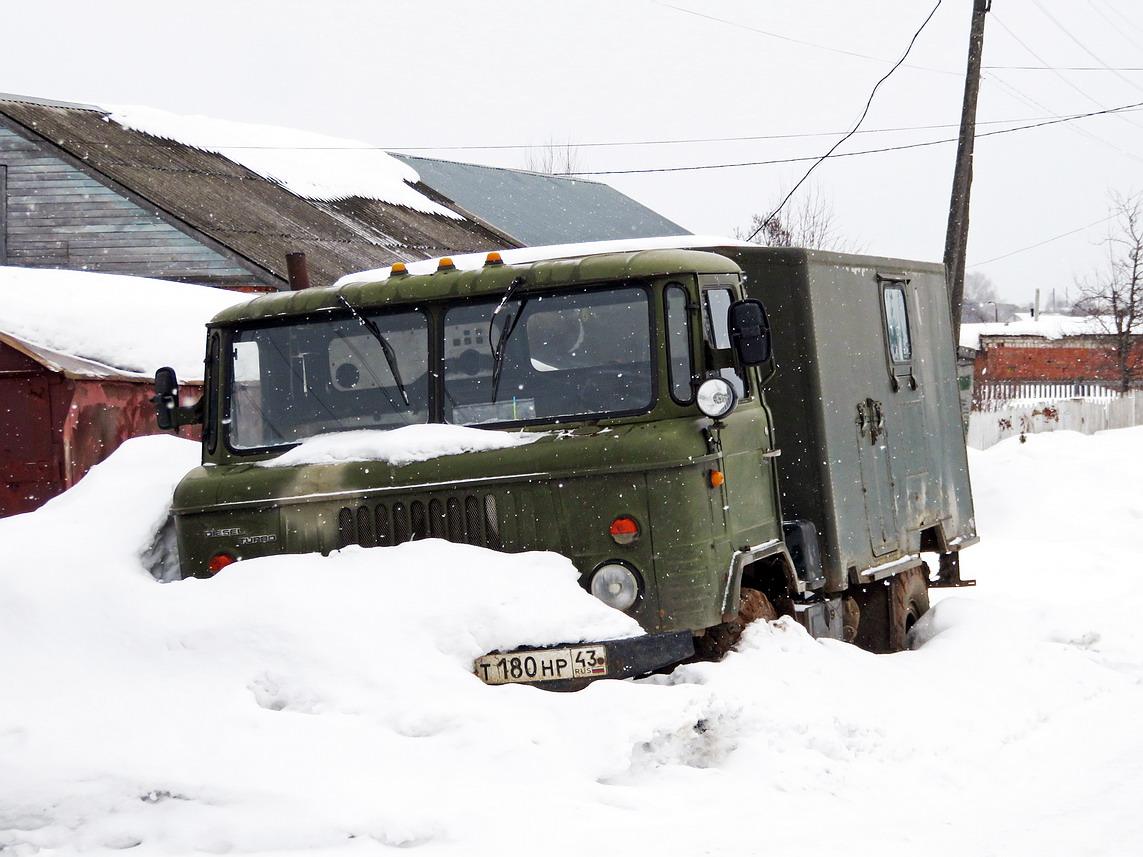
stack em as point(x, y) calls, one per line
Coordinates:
point(325, 706)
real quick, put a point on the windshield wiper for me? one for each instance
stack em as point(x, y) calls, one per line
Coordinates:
point(505, 331)
point(386, 348)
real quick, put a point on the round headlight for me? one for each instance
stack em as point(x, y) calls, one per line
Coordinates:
point(616, 585)
point(716, 397)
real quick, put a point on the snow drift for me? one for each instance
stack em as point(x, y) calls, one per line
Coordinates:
point(326, 705)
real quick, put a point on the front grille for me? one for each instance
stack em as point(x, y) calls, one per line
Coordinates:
point(467, 519)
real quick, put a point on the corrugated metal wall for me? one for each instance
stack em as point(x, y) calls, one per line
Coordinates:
point(53, 429)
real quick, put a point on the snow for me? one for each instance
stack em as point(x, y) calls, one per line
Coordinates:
point(326, 706)
point(133, 325)
point(525, 255)
point(398, 446)
point(309, 165)
point(1047, 326)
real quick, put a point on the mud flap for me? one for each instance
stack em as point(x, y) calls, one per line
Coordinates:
point(629, 658)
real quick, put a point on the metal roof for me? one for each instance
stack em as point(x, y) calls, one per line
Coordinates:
point(256, 220)
point(70, 365)
point(540, 209)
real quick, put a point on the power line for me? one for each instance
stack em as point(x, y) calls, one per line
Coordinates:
point(1083, 132)
point(1084, 47)
point(172, 144)
point(1042, 243)
point(1042, 124)
point(864, 113)
point(1118, 29)
point(1126, 20)
point(1054, 71)
point(793, 40)
point(1061, 67)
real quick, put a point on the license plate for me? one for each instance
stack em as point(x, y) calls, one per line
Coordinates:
point(543, 665)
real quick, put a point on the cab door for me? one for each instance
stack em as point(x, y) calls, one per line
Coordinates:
point(749, 506)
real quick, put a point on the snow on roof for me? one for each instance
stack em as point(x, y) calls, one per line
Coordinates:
point(69, 364)
point(309, 165)
point(1047, 326)
point(524, 255)
point(95, 325)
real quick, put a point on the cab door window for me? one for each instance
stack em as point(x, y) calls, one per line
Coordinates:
point(716, 306)
point(680, 362)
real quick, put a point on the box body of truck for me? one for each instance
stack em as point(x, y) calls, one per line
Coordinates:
point(866, 406)
point(808, 484)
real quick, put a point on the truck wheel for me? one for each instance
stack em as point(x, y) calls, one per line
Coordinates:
point(909, 601)
point(887, 610)
point(717, 641)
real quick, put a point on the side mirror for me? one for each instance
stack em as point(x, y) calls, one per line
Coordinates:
point(750, 332)
point(166, 399)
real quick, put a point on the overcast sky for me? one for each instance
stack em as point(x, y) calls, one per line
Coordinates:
point(647, 85)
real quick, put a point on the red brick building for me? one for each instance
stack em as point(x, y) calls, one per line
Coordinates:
point(1005, 363)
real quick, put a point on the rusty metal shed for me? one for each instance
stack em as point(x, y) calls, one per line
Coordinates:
point(60, 415)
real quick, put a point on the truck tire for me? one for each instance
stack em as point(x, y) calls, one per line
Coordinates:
point(717, 641)
point(887, 610)
point(909, 601)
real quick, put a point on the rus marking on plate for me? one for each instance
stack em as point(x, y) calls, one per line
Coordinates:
point(542, 665)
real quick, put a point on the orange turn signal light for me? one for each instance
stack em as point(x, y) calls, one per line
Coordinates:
point(398, 268)
point(493, 258)
point(624, 530)
point(445, 264)
point(716, 478)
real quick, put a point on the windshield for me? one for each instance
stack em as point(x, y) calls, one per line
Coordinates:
point(538, 359)
point(585, 354)
point(291, 382)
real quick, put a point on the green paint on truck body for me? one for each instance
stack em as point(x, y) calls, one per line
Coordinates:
point(601, 357)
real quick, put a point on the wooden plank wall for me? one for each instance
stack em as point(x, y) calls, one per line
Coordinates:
point(55, 216)
point(3, 214)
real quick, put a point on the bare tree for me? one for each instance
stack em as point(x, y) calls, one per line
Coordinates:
point(979, 288)
point(553, 158)
point(810, 223)
point(980, 299)
point(1113, 297)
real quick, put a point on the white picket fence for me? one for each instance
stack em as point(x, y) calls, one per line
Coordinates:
point(1021, 416)
point(1008, 394)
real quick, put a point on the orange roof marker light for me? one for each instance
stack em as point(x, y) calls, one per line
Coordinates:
point(445, 264)
point(398, 269)
point(493, 258)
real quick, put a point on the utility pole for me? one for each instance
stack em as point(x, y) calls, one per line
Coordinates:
point(956, 239)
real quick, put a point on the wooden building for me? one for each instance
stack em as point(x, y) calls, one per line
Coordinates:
point(80, 191)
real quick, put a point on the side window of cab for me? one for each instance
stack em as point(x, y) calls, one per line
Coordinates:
point(716, 306)
point(680, 360)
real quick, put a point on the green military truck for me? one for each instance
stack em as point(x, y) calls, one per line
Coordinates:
point(722, 434)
